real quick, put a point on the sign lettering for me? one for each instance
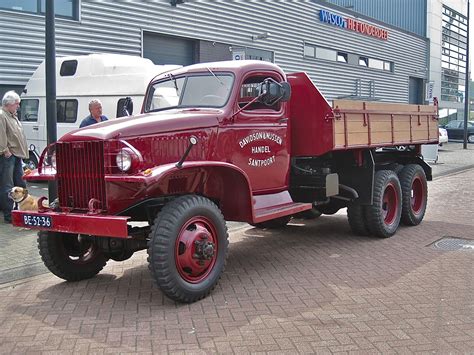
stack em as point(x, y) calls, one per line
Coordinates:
point(352, 25)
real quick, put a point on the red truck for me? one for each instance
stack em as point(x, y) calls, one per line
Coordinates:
point(236, 141)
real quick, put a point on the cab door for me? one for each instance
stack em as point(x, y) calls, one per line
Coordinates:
point(256, 139)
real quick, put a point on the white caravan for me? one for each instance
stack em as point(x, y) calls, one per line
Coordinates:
point(111, 78)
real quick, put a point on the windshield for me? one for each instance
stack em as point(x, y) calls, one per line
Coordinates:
point(203, 90)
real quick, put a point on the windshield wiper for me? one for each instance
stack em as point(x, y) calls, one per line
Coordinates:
point(175, 83)
point(215, 76)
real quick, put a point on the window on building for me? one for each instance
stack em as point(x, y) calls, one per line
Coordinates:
point(325, 53)
point(376, 63)
point(364, 61)
point(309, 51)
point(62, 8)
point(342, 57)
point(66, 111)
point(453, 57)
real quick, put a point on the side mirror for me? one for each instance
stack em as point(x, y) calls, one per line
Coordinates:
point(127, 107)
point(273, 92)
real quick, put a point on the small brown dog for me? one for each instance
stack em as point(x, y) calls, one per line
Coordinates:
point(25, 201)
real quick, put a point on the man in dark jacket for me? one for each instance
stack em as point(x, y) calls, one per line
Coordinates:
point(96, 116)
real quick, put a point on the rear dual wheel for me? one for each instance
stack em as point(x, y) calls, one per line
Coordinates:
point(383, 216)
point(414, 194)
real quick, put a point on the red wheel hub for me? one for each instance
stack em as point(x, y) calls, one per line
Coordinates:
point(417, 195)
point(196, 249)
point(390, 204)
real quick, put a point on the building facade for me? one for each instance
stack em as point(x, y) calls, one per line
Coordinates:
point(444, 23)
point(347, 55)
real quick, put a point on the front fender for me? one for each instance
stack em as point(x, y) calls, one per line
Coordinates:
point(222, 182)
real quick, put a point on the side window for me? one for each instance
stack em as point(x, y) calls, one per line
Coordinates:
point(67, 111)
point(249, 90)
point(68, 68)
point(29, 110)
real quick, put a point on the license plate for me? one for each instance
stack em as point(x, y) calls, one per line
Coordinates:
point(37, 221)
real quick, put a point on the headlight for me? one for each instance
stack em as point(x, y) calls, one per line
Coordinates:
point(124, 160)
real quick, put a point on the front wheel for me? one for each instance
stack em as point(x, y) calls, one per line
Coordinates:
point(71, 257)
point(383, 216)
point(187, 249)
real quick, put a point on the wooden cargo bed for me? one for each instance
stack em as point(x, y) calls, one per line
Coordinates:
point(360, 123)
point(318, 128)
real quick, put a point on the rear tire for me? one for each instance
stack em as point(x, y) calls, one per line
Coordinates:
point(357, 219)
point(470, 138)
point(383, 216)
point(69, 256)
point(187, 249)
point(414, 194)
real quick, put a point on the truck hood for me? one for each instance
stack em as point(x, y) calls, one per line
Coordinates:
point(147, 124)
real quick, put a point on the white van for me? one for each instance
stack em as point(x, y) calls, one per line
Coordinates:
point(111, 78)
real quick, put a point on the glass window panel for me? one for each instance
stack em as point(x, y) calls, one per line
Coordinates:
point(445, 58)
point(66, 111)
point(65, 8)
point(324, 53)
point(309, 51)
point(364, 61)
point(342, 57)
point(444, 65)
point(29, 110)
point(387, 66)
point(376, 63)
point(20, 5)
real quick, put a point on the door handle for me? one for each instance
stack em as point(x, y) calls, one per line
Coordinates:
point(283, 120)
point(35, 128)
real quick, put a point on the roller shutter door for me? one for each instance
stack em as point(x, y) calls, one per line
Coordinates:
point(168, 50)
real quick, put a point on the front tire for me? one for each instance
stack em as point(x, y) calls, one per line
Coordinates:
point(187, 249)
point(414, 194)
point(70, 256)
point(383, 216)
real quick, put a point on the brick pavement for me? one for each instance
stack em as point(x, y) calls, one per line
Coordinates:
point(310, 288)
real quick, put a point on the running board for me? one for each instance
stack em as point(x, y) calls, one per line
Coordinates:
point(267, 207)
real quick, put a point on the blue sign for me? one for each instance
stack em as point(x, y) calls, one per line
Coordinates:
point(333, 19)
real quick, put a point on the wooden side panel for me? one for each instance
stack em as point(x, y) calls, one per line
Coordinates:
point(359, 123)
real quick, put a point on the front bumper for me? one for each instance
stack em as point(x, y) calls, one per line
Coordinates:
point(77, 223)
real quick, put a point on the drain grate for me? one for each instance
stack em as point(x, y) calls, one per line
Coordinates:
point(452, 243)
